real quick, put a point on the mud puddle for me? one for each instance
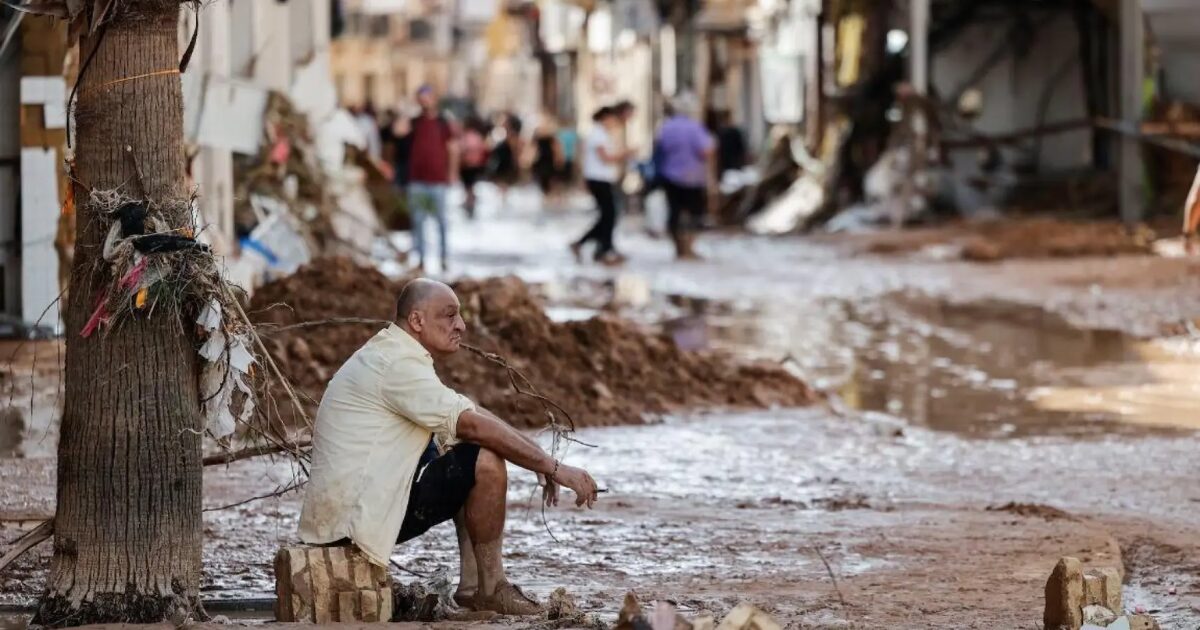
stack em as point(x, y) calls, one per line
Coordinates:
point(984, 369)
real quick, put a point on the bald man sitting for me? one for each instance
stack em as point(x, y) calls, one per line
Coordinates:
point(377, 477)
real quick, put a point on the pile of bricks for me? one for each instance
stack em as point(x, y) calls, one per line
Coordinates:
point(1088, 599)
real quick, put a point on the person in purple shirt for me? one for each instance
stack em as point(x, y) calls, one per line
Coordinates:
point(684, 151)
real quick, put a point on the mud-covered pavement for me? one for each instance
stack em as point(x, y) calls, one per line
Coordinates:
point(984, 420)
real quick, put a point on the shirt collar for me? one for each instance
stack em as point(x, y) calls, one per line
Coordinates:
point(410, 344)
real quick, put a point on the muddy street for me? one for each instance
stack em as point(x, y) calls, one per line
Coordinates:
point(981, 421)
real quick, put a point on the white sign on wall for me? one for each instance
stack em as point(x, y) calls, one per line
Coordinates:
point(782, 87)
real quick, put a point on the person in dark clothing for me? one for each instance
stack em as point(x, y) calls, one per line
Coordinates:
point(401, 136)
point(548, 161)
point(731, 144)
point(474, 153)
point(504, 170)
point(685, 149)
point(602, 159)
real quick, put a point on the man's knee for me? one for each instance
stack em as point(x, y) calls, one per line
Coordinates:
point(490, 466)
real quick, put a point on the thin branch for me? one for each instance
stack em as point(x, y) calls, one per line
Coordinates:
point(30, 540)
point(323, 322)
point(295, 484)
point(409, 571)
point(832, 577)
point(255, 451)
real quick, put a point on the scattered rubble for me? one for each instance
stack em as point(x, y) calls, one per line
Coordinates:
point(1032, 510)
point(603, 371)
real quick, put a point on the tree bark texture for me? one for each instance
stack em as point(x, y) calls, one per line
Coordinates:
point(128, 528)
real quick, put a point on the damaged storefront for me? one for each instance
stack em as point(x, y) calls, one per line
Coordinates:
point(923, 109)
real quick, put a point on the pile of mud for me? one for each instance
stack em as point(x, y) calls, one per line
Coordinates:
point(603, 371)
point(1021, 238)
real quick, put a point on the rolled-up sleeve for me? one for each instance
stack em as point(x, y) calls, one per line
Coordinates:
point(413, 390)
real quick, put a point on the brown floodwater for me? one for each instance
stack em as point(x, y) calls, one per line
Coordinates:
point(983, 369)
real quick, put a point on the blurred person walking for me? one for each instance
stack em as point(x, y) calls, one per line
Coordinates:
point(504, 169)
point(731, 144)
point(568, 140)
point(364, 117)
point(602, 160)
point(401, 138)
point(474, 160)
point(685, 154)
point(432, 167)
point(548, 160)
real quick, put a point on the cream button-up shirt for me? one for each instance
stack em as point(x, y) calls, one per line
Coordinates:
point(374, 422)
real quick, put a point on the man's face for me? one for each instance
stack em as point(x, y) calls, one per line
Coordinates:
point(425, 99)
point(438, 325)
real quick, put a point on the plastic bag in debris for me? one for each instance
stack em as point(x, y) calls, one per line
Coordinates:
point(275, 238)
point(792, 209)
point(219, 383)
point(210, 315)
point(734, 180)
point(227, 363)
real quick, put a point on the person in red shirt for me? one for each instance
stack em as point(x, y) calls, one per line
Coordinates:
point(432, 167)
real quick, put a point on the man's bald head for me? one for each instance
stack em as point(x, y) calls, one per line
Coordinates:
point(415, 294)
point(429, 311)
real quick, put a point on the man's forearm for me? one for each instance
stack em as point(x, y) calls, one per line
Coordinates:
point(524, 435)
point(500, 438)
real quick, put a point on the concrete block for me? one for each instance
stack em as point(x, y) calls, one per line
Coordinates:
point(1102, 587)
point(1142, 622)
point(748, 617)
point(1064, 596)
point(328, 584)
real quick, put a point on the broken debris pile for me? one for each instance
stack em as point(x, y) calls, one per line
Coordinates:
point(1089, 599)
point(604, 371)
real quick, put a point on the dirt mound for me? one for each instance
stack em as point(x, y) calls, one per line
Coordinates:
point(1052, 238)
point(1019, 238)
point(603, 371)
point(328, 288)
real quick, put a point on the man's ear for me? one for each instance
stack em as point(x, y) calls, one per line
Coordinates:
point(415, 321)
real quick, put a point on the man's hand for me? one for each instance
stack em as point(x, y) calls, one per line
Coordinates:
point(549, 490)
point(580, 481)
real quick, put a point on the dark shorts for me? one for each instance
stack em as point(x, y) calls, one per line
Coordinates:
point(439, 489)
point(471, 175)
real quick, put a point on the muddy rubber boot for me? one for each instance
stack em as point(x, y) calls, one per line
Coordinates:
point(508, 600)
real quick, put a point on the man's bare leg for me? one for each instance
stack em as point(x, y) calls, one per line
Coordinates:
point(468, 569)
point(485, 512)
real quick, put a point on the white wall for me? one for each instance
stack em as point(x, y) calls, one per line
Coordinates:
point(1175, 27)
point(1012, 91)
